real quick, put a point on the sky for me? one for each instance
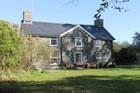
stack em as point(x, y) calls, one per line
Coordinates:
point(122, 25)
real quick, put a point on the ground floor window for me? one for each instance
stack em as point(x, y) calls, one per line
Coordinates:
point(54, 57)
point(78, 57)
point(99, 56)
point(54, 61)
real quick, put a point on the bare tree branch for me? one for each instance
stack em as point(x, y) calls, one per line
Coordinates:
point(115, 4)
point(105, 4)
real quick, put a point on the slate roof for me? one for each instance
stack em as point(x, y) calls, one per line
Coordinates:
point(55, 29)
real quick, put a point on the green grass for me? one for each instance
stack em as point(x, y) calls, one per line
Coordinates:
point(116, 80)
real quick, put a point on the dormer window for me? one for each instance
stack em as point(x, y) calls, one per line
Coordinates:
point(78, 41)
point(53, 41)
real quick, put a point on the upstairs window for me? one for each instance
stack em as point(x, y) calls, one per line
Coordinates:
point(98, 44)
point(78, 41)
point(53, 41)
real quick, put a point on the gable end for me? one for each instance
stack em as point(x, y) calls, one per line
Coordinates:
point(72, 29)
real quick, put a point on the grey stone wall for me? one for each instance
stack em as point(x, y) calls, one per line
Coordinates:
point(66, 47)
point(88, 48)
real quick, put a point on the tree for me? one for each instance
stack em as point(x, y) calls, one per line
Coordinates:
point(125, 56)
point(41, 53)
point(115, 4)
point(136, 40)
point(117, 46)
point(10, 45)
point(105, 4)
point(136, 45)
point(124, 53)
point(36, 53)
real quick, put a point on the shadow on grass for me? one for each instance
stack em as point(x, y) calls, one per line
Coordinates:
point(81, 84)
point(129, 66)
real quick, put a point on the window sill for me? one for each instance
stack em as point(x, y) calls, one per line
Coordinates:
point(53, 45)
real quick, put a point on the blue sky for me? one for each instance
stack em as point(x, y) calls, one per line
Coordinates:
point(121, 25)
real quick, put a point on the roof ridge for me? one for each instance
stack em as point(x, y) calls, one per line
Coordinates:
point(60, 23)
point(52, 23)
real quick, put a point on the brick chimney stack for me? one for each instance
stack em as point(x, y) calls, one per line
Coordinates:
point(99, 23)
point(27, 17)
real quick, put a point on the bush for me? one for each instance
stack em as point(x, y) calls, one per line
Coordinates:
point(125, 56)
point(10, 46)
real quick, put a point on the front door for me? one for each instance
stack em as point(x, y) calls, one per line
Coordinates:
point(78, 58)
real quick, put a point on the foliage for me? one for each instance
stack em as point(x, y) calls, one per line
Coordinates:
point(42, 51)
point(36, 53)
point(115, 4)
point(136, 45)
point(136, 40)
point(124, 53)
point(41, 54)
point(138, 56)
point(117, 80)
point(10, 45)
point(125, 56)
point(117, 46)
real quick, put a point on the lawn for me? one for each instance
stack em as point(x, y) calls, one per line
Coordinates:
point(115, 80)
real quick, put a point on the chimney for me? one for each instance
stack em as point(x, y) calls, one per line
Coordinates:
point(27, 17)
point(99, 23)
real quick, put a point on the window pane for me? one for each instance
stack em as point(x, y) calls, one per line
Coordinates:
point(54, 54)
point(53, 41)
point(54, 57)
point(78, 41)
point(98, 43)
point(99, 56)
point(78, 58)
point(54, 61)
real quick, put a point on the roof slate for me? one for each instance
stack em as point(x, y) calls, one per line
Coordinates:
point(55, 29)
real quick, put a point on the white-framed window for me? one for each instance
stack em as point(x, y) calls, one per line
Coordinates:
point(54, 54)
point(54, 57)
point(53, 41)
point(98, 43)
point(78, 41)
point(78, 57)
point(99, 56)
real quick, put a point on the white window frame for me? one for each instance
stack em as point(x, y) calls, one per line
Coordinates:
point(99, 57)
point(80, 41)
point(75, 56)
point(54, 56)
point(51, 41)
point(98, 43)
